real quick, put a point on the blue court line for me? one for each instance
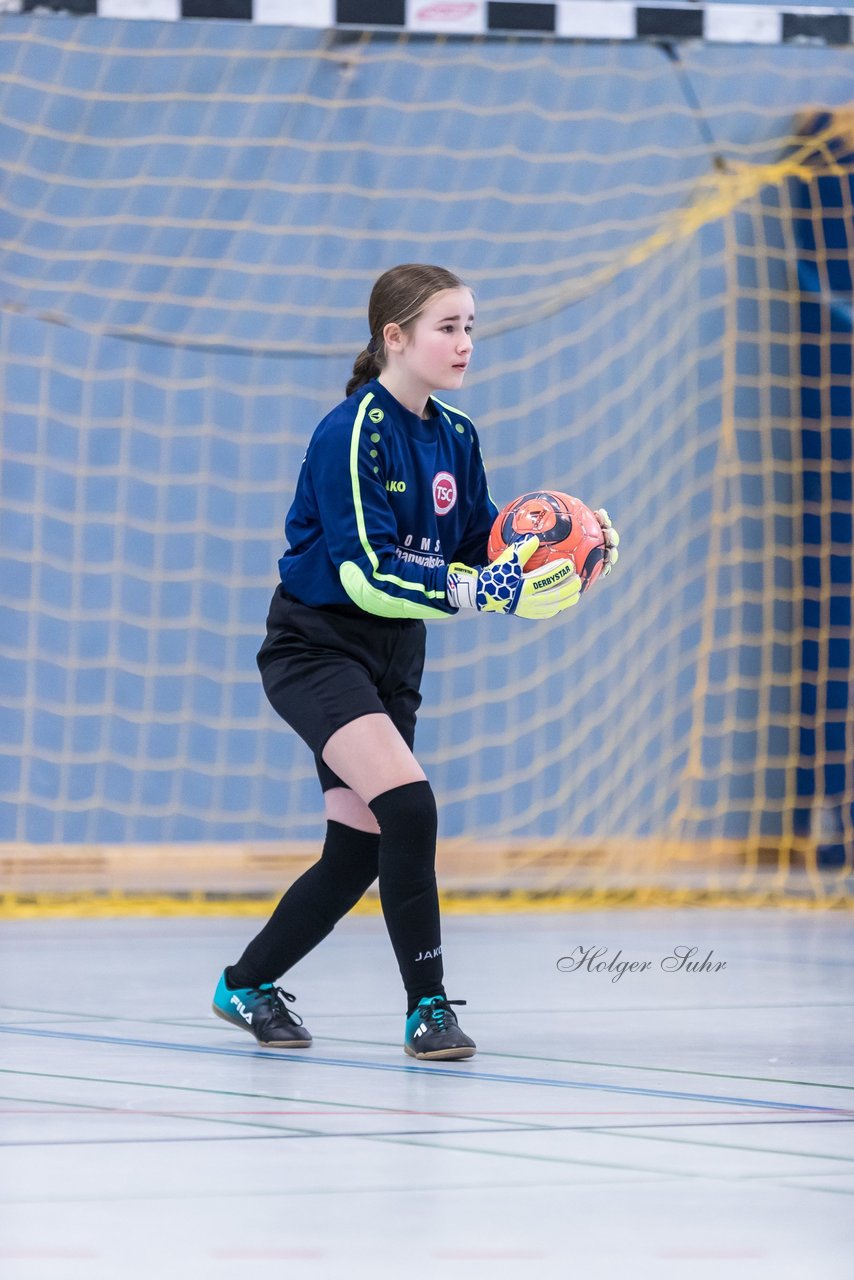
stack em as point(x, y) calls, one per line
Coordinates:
point(441, 1070)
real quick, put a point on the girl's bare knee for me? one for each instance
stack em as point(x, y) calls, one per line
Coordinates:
point(344, 806)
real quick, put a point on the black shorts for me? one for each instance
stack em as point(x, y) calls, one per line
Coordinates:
point(322, 668)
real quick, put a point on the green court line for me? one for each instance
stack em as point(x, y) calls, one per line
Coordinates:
point(614, 1131)
point(400, 1112)
point(75, 1013)
point(188, 1088)
point(502, 1124)
point(349, 1189)
point(274, 1129)
point(673, 1174)
point(511, 1124)
point(522, 1057)
point(442, 1071)
point(438, 1145)
point(621, 1066)
point(831, 1191)
point(683, 1071)
point(162, 1115)
point(499, 1124)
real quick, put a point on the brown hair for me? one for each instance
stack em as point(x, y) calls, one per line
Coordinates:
point(398, 297)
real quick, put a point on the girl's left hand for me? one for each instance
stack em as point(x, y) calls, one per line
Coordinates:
point(612, 541)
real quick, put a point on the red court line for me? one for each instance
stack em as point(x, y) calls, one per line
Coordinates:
point(719, 1255)
point(493, 1255)
point(241, 1254)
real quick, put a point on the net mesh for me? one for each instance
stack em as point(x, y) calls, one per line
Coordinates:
point(190, 221)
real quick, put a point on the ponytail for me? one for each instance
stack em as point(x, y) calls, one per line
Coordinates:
point(366, 366)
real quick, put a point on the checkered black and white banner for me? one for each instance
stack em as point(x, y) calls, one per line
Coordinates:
point(565, 19)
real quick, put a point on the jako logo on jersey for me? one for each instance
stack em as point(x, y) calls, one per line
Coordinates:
point(376, 415)
point(396, 486)
point(241, 1009)
point(444, 492)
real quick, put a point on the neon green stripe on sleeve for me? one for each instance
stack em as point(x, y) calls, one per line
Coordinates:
point(360, 514)
point(372, 600)
point(459, 413)
point(354, 480)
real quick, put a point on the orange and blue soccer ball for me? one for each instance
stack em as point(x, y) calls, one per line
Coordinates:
point(564, 526)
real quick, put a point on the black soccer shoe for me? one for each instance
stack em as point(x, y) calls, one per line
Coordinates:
point(432, 1031)
point(262, 1010)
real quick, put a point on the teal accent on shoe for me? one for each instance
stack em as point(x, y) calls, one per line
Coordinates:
point(413, 1022)
point(432, 1031)
point(422, 1012)
point(235, 1003)
point(263, 1012)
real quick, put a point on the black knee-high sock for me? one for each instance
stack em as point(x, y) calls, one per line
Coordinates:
point(408, 893)
point(312, 906)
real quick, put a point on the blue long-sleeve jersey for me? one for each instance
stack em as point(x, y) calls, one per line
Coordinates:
point(385, 501)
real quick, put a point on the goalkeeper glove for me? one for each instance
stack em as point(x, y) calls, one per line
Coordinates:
point(612, 541)
point(504, 587)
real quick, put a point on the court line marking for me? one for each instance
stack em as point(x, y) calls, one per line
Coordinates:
point(516, 1125)
point(39, 1107)
point(524, 1057)
point(616, 1131)
point(288, 1133)
point(402, 1068)
point(833, 1191)
point(291, 1132)
point(442, 1146)
point(621, 1066)
point(451, 1113)
point(347, 1190)
point(507, 1126)
point(413, 1138)
point(64, 1106)
point(100, 1109)
point(188, 1088)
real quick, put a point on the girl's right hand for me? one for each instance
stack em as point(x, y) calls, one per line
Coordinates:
point(504, 587)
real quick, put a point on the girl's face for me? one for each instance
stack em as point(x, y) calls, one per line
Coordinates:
point(437, 348)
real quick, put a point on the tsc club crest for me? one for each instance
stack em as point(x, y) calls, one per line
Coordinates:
point(444, 492)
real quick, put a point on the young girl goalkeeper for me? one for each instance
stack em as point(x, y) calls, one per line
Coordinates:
point(388, 528)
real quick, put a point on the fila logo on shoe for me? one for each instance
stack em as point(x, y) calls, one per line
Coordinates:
point(241, 1009)
point(428, 955)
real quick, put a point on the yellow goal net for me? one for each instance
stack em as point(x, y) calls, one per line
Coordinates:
point(192, 216)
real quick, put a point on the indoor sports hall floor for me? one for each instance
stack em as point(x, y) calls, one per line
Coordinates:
point(668, 1124)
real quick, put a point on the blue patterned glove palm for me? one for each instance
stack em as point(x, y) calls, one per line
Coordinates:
point(504, 587)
